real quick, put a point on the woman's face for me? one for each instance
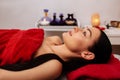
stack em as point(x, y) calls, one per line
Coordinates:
point(79, 39)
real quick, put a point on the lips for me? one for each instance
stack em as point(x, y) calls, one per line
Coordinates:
point(70, 33)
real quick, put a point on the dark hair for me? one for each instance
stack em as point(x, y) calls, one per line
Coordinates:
point(102, 50)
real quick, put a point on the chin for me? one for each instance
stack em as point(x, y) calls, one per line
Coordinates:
point(64, 34)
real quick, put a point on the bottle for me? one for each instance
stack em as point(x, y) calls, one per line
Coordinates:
point(46, 19)
point(55, 20)
point(70, 20)
point(61, 21)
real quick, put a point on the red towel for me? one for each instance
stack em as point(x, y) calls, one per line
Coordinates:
point(108, 71)
point(19, 45)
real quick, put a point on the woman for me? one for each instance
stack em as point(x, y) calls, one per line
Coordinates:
point(89, 45)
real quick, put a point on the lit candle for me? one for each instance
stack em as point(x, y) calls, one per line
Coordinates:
point(95, 20)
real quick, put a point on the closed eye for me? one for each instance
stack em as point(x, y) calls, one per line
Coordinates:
point(84, 33)
point(87, 33)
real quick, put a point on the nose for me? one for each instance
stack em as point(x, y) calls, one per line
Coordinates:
point(76, 29)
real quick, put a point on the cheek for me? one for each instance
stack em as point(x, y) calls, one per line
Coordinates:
point(81, 43)
point(73, 43)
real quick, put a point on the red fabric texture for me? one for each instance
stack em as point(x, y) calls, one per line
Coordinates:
point(19, 45)
point(109, 71)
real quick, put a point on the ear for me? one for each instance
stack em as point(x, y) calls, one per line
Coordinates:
point(87, 55)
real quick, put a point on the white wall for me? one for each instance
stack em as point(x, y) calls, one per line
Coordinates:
point(24, 13)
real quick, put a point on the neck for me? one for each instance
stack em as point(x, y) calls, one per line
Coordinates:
point(63, 52)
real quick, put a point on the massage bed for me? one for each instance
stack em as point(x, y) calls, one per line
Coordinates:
point(31, 39)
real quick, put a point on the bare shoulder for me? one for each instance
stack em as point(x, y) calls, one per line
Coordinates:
point(55, 64)
point(53, 68)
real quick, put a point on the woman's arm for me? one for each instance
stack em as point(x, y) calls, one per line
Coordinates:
point(46, 71)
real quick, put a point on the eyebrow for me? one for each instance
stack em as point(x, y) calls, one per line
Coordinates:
point(89, 31)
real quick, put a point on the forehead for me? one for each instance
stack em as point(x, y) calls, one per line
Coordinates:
point(95, 33)
point(94, 30)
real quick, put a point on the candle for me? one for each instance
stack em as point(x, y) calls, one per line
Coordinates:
point(95, 20)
